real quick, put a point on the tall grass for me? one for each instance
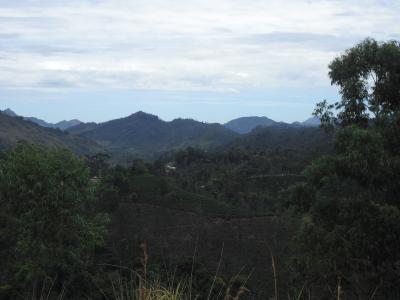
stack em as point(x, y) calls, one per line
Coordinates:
point(138, 286)
point(129, 284)
point(45, 291)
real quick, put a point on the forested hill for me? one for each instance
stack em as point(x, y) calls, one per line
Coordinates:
point(146, 135)
point(16, 129)
point(286, 137)
point(63, 125)
point(247, 124)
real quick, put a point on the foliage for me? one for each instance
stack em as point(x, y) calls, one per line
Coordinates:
point(146, 136)
point(16, 129)
point(247, 124)
point(47, 229)
point(344, 195)
point(350, 201)
point(238, 182)
point(368, 76)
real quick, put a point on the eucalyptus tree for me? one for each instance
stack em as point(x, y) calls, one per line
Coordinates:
point(350, 232)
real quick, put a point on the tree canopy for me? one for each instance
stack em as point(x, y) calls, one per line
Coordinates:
point(45, 199)
point(368, 76)
point(350, 230)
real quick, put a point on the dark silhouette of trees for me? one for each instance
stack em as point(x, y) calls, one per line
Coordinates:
point(350, 230)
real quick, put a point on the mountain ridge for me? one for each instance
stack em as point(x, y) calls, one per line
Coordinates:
point(240, 125)
point(16, 129)
point(146, 135)
point(287, 137)
point(63, 125)
point(244, 125)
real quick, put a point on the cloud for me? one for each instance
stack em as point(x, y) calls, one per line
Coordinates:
point(187, 45)
point(315, 41)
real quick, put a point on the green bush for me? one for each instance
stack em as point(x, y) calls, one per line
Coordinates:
point(47, 230)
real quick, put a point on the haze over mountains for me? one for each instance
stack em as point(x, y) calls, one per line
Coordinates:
point(147, 136)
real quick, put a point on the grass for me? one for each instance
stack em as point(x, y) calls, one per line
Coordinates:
point(129, 284)
point(139, 287)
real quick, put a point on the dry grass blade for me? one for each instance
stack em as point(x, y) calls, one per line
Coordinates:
point(216, 273)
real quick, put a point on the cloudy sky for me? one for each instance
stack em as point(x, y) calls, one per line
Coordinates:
point(212, 60)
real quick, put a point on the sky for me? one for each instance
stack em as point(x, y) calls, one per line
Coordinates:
point(210, 60)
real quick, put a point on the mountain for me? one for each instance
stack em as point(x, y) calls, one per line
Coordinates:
point(146, 135)
point(246, 124)
point(63, 125)
point(10, 113)
point(287, 137)
point(39, 122)
point(16, 129)
point(82, 127)
point(311, 122)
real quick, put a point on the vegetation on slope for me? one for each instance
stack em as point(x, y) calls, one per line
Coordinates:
point(350, 199)
point(144, 135)
point(247, 124)
point(14, 130)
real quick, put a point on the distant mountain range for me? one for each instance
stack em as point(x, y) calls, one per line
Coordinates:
point(245, 125)
point(311, 122)
point(14, 129)
point(241, 125)
point(286, 137)
point(147, 136)
point(63, 125)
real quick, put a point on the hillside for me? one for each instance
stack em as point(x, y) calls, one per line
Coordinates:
point(16, 129)
point(286, 137)
point(146, 135)
point(311, 122)
point(82, 127)
point(63, 125)
point(246, 124)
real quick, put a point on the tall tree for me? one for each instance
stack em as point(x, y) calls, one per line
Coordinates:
point(350, 233)
point(368, 76)
point(46, 227)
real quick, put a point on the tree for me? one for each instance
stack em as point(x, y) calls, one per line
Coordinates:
point(350, 230)
point(368, 76)
point(46, 226)
point(98, 164)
